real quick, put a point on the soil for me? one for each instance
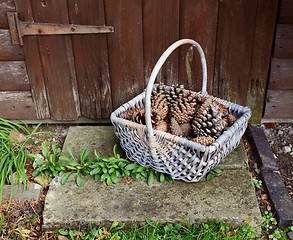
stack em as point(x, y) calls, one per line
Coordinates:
point(280, 138)
point(261, 194)
point(49, 133)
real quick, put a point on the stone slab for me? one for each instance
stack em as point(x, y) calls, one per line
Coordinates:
point(229, 196)
point(33, 193)
point(237, 159)
point(103, 139)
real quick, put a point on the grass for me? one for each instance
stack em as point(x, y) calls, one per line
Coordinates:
point(13, 154)
point(210, 229)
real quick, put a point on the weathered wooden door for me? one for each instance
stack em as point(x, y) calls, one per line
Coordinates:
point(69, 75)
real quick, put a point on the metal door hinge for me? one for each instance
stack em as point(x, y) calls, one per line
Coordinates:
point(18, 29)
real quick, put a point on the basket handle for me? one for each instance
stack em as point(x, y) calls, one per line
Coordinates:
point(156, 70)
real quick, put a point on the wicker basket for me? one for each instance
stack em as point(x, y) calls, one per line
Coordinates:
point(167, 153)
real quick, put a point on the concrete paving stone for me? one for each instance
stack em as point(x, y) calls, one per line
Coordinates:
point(101, 138)
point(229, 196)
point(237, 159)
point(33, 193)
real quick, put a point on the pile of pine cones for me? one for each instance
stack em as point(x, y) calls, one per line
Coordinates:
point(185, 114)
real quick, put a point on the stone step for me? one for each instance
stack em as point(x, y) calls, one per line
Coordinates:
point(30, 193)
point(229, 196)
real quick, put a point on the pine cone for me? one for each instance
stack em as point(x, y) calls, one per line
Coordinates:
point(186, 129)
point(162, 126)
point(136, 115)
point(160, 106)
point(175, 128)
point(159, 89)
point(174, 93)
point(200, 99)
point(231, 119)
point(171, 93)
point(203, 140)
point(184, 109)
point(181, 130)
point(210, 119)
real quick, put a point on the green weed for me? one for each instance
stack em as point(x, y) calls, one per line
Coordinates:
point(109, 170)
point(270, 229)
point(214, 171)
point(13, 154)
point(257, 183)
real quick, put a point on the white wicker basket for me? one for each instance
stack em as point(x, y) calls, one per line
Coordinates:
point(167, 153)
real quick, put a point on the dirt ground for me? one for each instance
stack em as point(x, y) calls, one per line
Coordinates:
point(280, 138)
point(50, 133)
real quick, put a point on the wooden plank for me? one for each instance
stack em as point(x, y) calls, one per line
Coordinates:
point(5, 6)
point(17, 105)
point(281, 76)
point(234, 48)
point(57, 61)
point(13, 76)
point(161, 29)
point(125, 48)
point(286, 12)
point(33, 63)
point(91, 60)
point(8, 51)
point(260, 58)
point(279, 104)
point(284, 41)
point(198, 21)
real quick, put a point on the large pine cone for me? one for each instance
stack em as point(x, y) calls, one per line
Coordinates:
point(203, 140)
point(181, 130)
point(186, 129)
point(171, 93)
point(160, 106)
point(138, 115)
point(174, 93)
point(184, 108)
point(231, 119)
point(162, 126)
point(175, 128)
point(210, 119)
